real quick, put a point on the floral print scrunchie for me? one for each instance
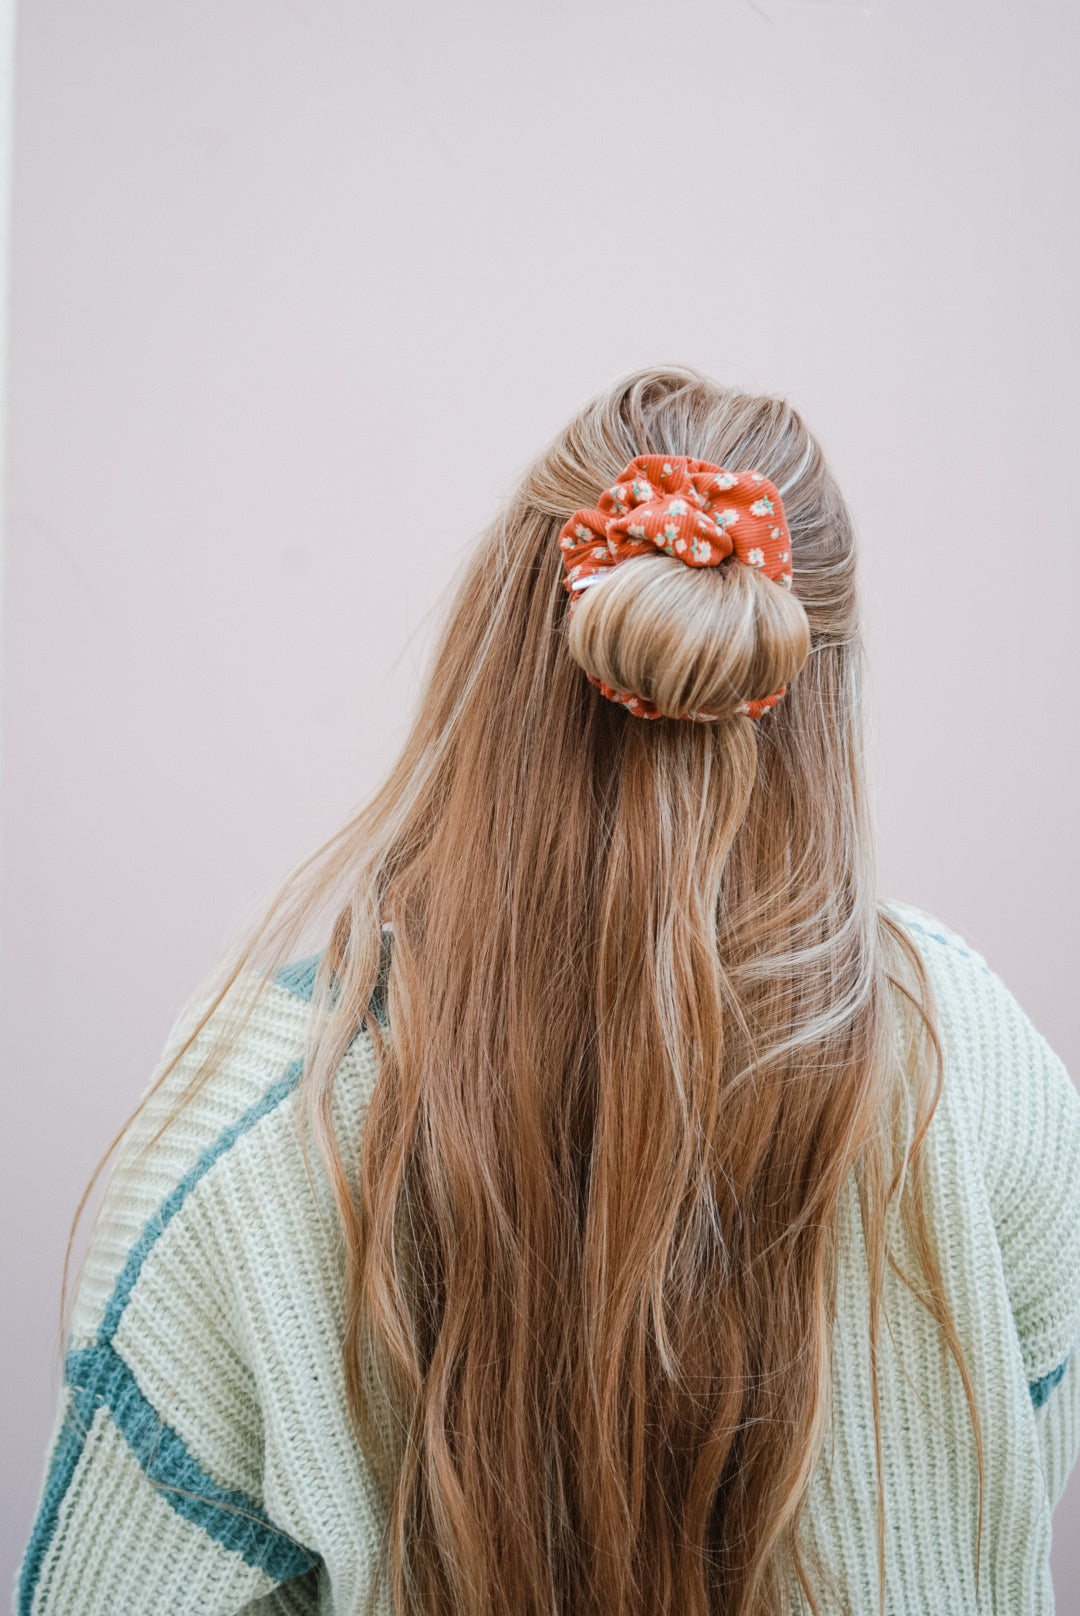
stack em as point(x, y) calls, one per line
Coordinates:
point(692, 510)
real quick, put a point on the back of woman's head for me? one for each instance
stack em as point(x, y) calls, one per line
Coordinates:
point(640, 1031)
point(690, 639)
point(527, 809)
point(686, 638)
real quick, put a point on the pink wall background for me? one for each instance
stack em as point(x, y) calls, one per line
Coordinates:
point(274, 263)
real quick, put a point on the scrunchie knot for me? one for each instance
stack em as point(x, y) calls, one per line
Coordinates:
point(691, 510)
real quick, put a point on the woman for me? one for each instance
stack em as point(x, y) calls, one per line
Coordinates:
point(686, 1229)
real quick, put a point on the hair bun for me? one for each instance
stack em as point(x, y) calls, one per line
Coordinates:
point(671, 641)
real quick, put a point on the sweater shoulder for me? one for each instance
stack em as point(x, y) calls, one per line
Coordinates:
point(220, 1089)
point(935, 940)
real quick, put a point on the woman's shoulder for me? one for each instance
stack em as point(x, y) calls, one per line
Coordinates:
point(938, 943)
point(989, 1034)
point(991, 1045)
point(226, 1093)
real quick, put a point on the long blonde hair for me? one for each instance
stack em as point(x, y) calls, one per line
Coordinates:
point(645, 1015)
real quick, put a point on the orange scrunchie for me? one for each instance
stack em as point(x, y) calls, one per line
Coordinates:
point(689, 509)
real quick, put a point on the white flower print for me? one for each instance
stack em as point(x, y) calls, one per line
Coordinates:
point(726, 519)
point(671, 533)
point(680, 545)
point(636, 531)
point(642, 491)
point(678, 507)
point(701, 550)
point(755, 558)
point(761, 507)
point(785, 579)
point(725, 480)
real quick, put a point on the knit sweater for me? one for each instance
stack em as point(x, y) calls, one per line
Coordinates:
point(203, 1460)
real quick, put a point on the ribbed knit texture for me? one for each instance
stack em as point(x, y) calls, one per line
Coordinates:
point(203, 1460)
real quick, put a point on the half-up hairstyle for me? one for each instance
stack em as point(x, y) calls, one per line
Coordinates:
point(644, 1016)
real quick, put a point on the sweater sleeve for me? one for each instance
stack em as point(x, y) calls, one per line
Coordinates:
point(1057, 1421)
point(1027, 1115)
point(1030, 1135)
point(153, 1497)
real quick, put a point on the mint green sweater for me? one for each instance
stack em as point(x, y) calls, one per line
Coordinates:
point(202, 1460)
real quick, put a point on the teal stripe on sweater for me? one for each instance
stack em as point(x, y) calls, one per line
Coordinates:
point(298, 978)
point(1040, 1389)
point(98, 1377)
point(105, 1381)
point(174, 1201)
point(946, 942)
point(228, 1516)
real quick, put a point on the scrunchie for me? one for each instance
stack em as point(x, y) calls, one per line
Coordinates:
point(692, 510)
